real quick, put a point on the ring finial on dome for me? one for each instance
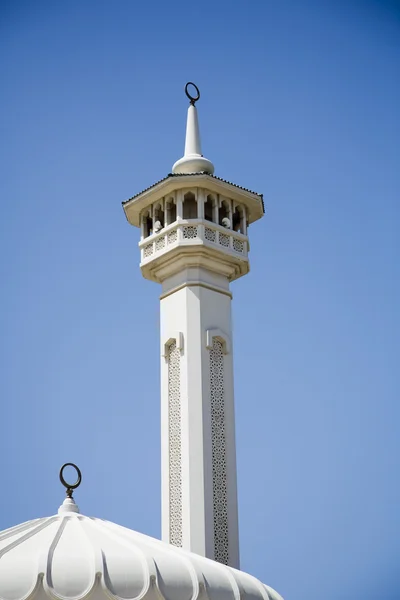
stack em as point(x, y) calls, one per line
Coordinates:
point(70, 486)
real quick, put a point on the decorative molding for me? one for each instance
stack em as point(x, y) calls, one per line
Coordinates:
point(194, 252)
point(175, 337)
point(221, 336)
point(196, 284)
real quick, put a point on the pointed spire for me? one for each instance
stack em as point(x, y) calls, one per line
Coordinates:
point(193, 161)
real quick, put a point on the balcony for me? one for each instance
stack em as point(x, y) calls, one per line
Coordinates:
point(193, 232)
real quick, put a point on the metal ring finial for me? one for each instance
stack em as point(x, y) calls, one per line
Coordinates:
point(70, 486)
point(192, 99)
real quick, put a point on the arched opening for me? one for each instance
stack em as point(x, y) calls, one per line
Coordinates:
point(159, 218)
point(223, 215)
point(208, 208)
point(170, 209)
point(147, 224)
point(237, 220)
point(189, 206)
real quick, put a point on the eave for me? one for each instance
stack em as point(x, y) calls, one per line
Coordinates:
point(172, 182)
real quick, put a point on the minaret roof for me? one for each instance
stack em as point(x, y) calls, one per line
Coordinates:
point(174, 181)
point(171, 175)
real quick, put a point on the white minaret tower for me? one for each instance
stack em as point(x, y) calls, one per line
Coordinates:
point(194, 242)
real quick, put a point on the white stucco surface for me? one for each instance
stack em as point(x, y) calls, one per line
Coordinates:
point(73, 556)
point(198, 313)
point(193, 161)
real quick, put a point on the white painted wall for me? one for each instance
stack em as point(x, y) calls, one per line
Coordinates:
point(186, 315)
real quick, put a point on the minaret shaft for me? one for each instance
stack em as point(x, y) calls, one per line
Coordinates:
point(199, 495)
point(194, 241)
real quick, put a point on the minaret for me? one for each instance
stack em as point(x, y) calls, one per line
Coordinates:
point(194, 242)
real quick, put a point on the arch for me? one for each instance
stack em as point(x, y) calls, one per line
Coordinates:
point(147, 224)
point(223, 213)
point(239, 219)
point(221, 336)
point(158, 216)
point(175, 337)
point(189, 206)
point(209, 206)
point(170, 211)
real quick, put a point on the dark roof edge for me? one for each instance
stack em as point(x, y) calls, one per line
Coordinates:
point(170, 175)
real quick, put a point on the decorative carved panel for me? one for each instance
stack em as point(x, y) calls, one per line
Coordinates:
point(218, 440)
point(175, 445)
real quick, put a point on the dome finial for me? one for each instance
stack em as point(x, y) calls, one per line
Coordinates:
point(69, 503)
point(192, 161)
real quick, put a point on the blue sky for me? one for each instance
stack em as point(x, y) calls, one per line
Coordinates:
point(300, 102)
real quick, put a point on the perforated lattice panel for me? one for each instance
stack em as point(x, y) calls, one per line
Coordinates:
point(210, 234)
point(238, 245)
point(160, 243)
point(175, 447)
point(189, 233)
point(218, 440)
point(172, 236)
point(224, 240)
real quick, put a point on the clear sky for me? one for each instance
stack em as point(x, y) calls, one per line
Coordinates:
point(300, 101)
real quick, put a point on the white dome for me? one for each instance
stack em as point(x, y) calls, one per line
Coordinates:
point(73, 556)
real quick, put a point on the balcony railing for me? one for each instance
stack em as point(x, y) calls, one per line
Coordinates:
point(193, 231)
